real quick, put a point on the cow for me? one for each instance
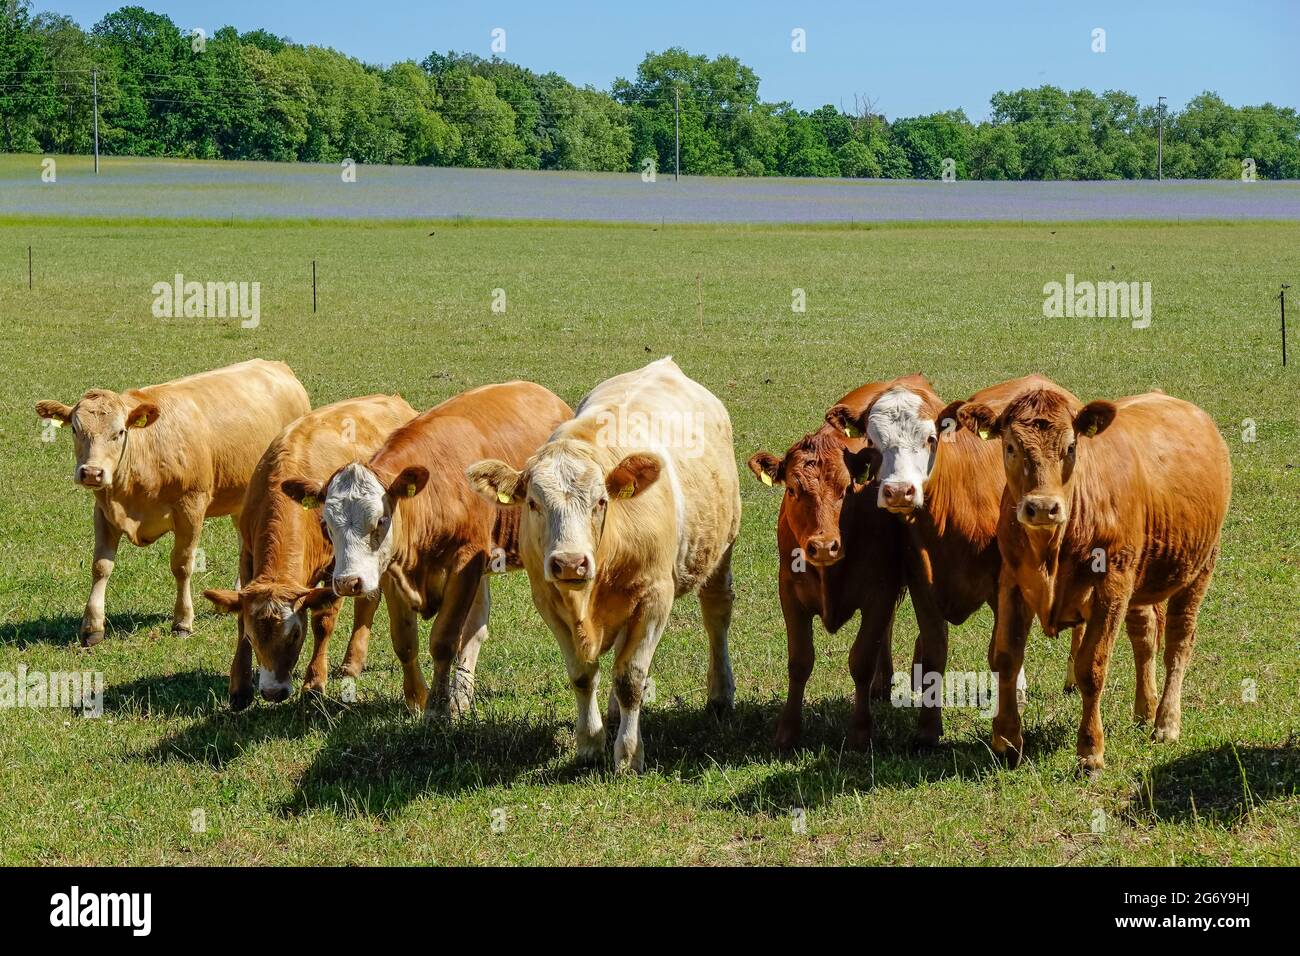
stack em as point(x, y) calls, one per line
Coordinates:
point(945, 485)
point(165, 457)
point(1107, 507)
point(632, 504)
point(838, 555)
point(406, 523)
point(284, 552)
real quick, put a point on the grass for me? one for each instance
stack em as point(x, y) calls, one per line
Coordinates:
point(408, 307)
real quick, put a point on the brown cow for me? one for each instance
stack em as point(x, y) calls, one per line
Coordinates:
point(407, 522)
point(838, 555)
point(284, 551)
point(1109, 506)
point(631, 505)
point(165, 457)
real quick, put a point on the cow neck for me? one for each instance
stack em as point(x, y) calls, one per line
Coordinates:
point(959, 499)
point(284, 549)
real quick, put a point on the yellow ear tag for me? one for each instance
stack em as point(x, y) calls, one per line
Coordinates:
point(410, 490)
point(628, 491)
point(503, 497)
point(765, 478)
point(852, 432)
point(309, 502)
point(1092, 431)
point(57, 422)
point(142, 421)
point(984, 433)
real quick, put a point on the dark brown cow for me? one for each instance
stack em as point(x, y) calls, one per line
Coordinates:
point(838, 556)
point(1107, 507)
point(407, 521)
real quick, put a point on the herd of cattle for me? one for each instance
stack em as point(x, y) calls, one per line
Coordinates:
point(1021, 498)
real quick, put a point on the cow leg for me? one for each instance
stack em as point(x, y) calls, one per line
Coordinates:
point(800, 656)
point(1180, 638)
point(932, 655)
point(1007, 658)
point(1090, 668)
point(584, 678)
point(612, 713)
point(458, 597)
point(241, 665)
point(864, 661)
point(187, 524)
point(631, 668)
point(1143, 634)
point(107, 537)
point(716, 599)
point(473, 635)
point(363, 618)
point(1076, 640)
point(404, 628)
point(322, 626)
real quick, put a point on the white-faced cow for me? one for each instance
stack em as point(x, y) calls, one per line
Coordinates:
point(406, 522)
point(632, 504)
point(165, 457)
point(284, 552)
point(1107, 507)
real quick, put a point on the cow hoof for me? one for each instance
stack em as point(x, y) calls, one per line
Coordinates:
point(91, 638)
point(1069, 690)
point(923, 743)
point(1165, 735)
point(721, 707)
point(1089, 767)
point(240, 700)
point(313, 689)
point(180, 630)
point(787, 738)
point(1010, 752)
point(350, 670)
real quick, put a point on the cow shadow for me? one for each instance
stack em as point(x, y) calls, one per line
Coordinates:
point(186, 694)
point(1222, 786)
point(64, 629)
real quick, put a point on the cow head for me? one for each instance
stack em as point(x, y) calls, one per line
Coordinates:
point(1040, 435)
point(100, 422)
point(565, 494)
point(360, 513)
point(907, 440)
point(274, 618)
point(819, 473)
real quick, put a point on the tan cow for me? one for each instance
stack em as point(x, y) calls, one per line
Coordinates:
point(284, 552)
point(632, 504)
point(406, 522)
point(1107, 507)
point(165, 457)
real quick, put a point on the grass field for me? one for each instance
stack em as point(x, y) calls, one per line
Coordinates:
point(408, 307)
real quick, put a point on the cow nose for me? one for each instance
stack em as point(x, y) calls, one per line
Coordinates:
point(90, 475)
point(899, 492)
point(569, 567)
point(823, 549)
point(1043, 510)
point(348, 584)
point(276, 693)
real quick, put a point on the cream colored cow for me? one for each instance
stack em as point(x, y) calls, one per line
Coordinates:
point(630, 505)
point(165, 457)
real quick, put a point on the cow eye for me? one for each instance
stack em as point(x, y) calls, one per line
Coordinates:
point(932, 441)
point(383, 522)
point(602, 502)
point(532, 505)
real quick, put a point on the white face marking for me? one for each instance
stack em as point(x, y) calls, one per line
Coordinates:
point(907, 442)
point(565, 509)
point(359, 525)
point(266, 682)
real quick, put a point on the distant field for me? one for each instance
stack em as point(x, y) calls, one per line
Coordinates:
point(187, 189)
point(407, 307)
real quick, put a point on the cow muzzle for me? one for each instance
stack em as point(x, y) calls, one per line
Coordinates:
point(569, 567)
point(91, 476)
point(350, 585)
point(900, 497)
point(823, 550)
point(273, 689)
point(1041, 511)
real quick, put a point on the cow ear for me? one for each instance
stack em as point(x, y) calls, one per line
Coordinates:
point(947, 423)
point(847, 422)
point(497, 482)
point(1094, 418)
point(305, 491)
point(142, 416)
point(979, 418)
point(314, 599)
point(54, 410)
point(633, 475)
point(409, 483)
point(226, 602)
point(767, 468)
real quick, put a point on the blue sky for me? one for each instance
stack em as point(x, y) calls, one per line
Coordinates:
point(910, 57)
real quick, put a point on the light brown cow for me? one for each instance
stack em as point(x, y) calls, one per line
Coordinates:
point(165, 457)
point(284, 552)
point(406, 522)
point(632, 504)
point(1109, 506)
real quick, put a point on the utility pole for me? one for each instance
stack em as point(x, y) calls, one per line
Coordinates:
point(94, 84)
point(677, 133)
point(1160, 139)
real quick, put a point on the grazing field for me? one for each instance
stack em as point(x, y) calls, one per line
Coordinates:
point(408, 307)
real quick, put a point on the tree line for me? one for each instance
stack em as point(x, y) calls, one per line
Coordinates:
point(163, 91)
